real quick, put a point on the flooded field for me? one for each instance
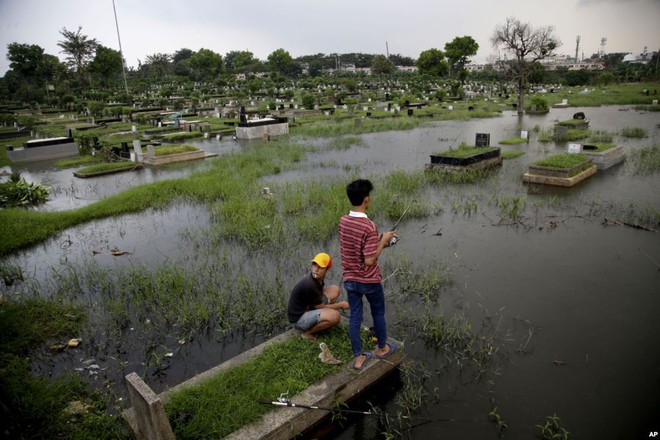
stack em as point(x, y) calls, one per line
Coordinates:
point(564, 304)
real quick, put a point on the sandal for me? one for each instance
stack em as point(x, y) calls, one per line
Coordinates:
point(368, 355)
point(392, 349)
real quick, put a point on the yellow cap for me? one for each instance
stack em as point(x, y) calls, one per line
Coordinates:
point(323, 260)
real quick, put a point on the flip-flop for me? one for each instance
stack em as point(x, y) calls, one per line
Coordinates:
point(392, 349)
point(368, 355)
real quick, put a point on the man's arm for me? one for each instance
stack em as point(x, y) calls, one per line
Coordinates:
point(382, 244)
point(335, 306)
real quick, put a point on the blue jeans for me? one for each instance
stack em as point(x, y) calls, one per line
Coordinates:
point(376, 297)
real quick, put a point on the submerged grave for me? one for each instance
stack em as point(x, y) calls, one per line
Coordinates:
point(478, 157)
point(566, 169)
point(604, 156)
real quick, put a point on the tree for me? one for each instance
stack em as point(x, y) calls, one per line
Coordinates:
point(79, 50)
point(458, 52)
point(159, 64)
point(280, 61)
point(526, 44)
point(432, 62)
point(206, 64)
point(381, 65)
point(106, 65)
point(239, 60)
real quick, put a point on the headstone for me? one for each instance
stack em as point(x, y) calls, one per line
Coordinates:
point(574, 148)
point(151, 152)
point(358, 122)
point(134, 129)
point(654, 102)
point(450, 107)
point(564, 101)
point(137, 147)
point(524, 134)
point(482, 140)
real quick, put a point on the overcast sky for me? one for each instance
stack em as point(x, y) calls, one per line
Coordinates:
point(305, 27)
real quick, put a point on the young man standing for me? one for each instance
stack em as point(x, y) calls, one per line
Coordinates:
point(361, 245)
point(312, 305)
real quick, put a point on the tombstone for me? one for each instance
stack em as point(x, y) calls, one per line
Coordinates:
point(579, 115)
point(450, 107)
point(133, 129)
point(482, 140)
point(368, 114)
point(137, 147)
point(410, 112)
point(654, 102)
point(561, 131)
point(470, 108)
point(524, 134)
point(151, 152)
point(564, 101)
point(70, 134)
point(574, 148)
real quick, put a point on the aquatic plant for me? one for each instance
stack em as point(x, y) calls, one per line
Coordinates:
point(20, 193)
point(552, 429)
point(633, 132)
point(645, 160)
point(601, 137)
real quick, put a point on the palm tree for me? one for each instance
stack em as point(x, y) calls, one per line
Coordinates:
point(79, 49)
point(159, 64)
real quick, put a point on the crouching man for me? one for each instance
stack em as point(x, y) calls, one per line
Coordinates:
point(313, 306)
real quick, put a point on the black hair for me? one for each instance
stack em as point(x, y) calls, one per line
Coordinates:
point(357, 190)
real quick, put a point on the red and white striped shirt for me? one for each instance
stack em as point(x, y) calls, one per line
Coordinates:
point(358, 240)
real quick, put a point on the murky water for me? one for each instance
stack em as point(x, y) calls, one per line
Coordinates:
point(573, 303)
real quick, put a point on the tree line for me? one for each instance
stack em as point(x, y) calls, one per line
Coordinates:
point(89, 66)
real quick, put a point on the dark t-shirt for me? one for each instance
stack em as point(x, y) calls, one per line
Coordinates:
point(305, 295)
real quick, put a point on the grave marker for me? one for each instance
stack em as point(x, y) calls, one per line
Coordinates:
point(574, 148)
point(482, 140)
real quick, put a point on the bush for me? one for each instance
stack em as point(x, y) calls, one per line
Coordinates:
point(18, 192)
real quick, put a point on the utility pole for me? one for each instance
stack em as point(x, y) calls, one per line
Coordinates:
point(121, 53)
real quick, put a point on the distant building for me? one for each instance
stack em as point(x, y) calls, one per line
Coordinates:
point(643, 58)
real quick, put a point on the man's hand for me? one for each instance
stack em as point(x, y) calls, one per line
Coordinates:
point(386, 237)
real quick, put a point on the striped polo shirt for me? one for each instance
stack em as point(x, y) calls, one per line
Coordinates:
point(358, 239)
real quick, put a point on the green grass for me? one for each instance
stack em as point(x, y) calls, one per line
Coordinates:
point(572, 135)
point(513, 141)
point(466, 151)
point(225, 403)
point(511, 154)
point(83, 160)
point(564, 160)
point(106, 166)
point(601, 136)
point(176, 149)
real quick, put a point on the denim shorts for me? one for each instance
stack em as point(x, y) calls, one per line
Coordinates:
point(308, 320)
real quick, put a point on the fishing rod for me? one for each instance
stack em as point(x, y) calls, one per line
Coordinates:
point(283, 401)
point(394, 239)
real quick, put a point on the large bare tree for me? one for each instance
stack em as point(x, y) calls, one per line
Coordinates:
point(527, 44)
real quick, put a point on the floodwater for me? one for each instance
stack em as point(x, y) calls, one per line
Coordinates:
point(572, 303)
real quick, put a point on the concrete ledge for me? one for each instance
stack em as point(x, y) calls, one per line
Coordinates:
point(607, 158)
point(560, 181)
point(481, 165)
point(286, 422)
point(172, 158)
